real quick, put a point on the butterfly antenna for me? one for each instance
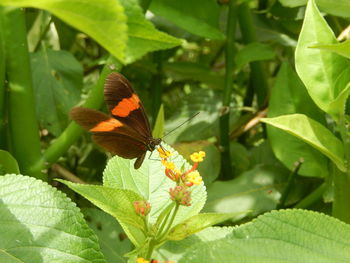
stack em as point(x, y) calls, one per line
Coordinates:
point(181, 124)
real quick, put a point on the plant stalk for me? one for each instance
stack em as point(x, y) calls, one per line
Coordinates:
point(225, 117)
point(24, 130)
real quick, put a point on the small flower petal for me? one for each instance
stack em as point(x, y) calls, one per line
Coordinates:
point(194, 177)
point(197, 157)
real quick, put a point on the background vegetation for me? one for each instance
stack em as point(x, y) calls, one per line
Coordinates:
point(270, 79)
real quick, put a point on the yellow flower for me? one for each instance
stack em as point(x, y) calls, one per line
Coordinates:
point(168, 165)
point(141, 260)
point(164, 154)
point(194, 177)
point(197, 157)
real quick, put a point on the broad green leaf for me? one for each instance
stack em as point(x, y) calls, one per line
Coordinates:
point(103, 20)
point(253, 52)
point(116, 202)
point(158, 130)
point(276, 237)
point(239, 157)
point(257, 190)
point(185, 70)
point(40, 224)
point(197, 223)
point(287, 97)
point(342, 49)
point(143, 36)
point(197, 17)
point(8, 163)
point(175, 250)
point(112, 239)
point(325, 74)
point(340, 8)
point(57, 78)
point(313, 133)
point(150, 182)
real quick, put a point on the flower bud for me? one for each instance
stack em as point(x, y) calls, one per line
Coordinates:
point(142, 207)
point(180, 195)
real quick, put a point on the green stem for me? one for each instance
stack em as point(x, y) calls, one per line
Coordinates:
point(162, 235)
point(258, 77)
point(42, 35)
point(312, 198)
point(24, 130)
point(225, 118)
point(73, 131)
point(289, 184)
point(341, 180)
point(2, 84)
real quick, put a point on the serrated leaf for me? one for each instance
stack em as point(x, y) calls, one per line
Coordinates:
point(40, 224)
point(8, 163)
point(313, 133)
point(290, 96)
point(198, 17)
point(278, 237)
point(196, 223)
point(57, 79)
point(151, 182)
point(143, 36)
point(103, 20)
point(112, 239)
point(116, 202)
point(325, 74)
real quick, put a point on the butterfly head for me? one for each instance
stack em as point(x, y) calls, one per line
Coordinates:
point(153, 142)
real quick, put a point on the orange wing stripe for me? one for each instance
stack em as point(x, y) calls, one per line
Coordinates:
point(125, 106)
point(107, 125)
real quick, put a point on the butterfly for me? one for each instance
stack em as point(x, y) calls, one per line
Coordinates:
point(127, 131)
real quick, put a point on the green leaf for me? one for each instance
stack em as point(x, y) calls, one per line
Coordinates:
point(8, 163)
point(185, 70)
point(197, 17)
point(116, 202)
point(290, 96)
point(325, 74)
point(113, 241)
point(339, 9)
point(151, 182)
point(40, 224)
point(158, 130)
point(175, 250)
point(342, 49)
point(103, 20)
point(58, 79)
point(278, 237)
point(254, 52)
point(196, 223)
point(143, 36)
point(313, 133)
point(257, 190)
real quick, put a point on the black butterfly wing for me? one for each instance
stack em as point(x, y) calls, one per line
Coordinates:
point(125, 105)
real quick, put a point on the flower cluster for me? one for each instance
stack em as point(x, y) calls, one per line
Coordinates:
point(184, 179)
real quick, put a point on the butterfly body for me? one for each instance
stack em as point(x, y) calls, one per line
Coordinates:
point(127, 131)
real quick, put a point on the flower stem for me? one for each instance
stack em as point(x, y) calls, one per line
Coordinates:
point(162, 235)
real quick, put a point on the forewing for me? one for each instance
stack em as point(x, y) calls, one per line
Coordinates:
point(102, 125)
point(125, 105)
